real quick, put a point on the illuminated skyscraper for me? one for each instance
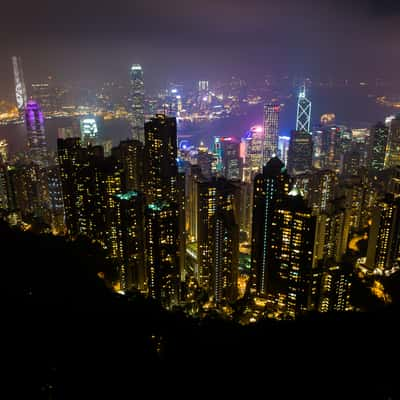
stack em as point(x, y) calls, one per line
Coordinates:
point(251, 152)
point(303, 121)
point(136, 102)
point(131, 155)
point(377, 146)
point(384, 236)
point(300, 154)
point(271, 131)
point(291, 245)
point(89, 184)
point(20, 89)
point(392, 158)
point(162, 252)
point(218, 238)
point(270, 188)
point(37, 147)
point(227, 151)
point(129, 224)
point(89, 132)
point(333, 288)
point(160, 156)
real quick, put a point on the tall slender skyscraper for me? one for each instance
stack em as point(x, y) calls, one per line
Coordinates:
point(377, 146)
point(162, 252)
point(392, 158)
point(300, 152)
point(136, 102)
point(270, 188)
point(291, 247)
point(271, 131)
point(160, 155)
point(20, 89)
point(37, 146)
point(303, 121)
point(384, 236)
point(218, 238)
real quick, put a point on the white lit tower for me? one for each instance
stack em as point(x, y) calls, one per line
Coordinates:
point(303, 111)
point(136, 102)
point(271, 131)
point(20, 89)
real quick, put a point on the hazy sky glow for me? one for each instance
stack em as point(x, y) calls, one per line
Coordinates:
point(192, 39)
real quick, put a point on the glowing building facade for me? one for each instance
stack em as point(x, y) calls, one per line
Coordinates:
point(270, 188)
point(162, 252)
point(377, 146)
point(251, 152)
point(384, 238)
point(392, 158)
point(37, 146)
point(89, 132)
point(20, 89)
point(218, 238)
point(129, 239)
point(303, 120)
point(271, 131)
point(136, 103)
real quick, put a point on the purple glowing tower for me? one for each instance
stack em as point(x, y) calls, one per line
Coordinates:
point(37, 147)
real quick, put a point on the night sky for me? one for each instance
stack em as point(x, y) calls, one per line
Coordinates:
point(182, 40)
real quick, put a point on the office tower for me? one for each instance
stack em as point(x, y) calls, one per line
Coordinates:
point(269, 189)
point(42, 92)
point(252, 152)
point(290, 248)
point(136, 102)
point(392, 158)
point(37, 147)
point(89, 132)
point(303, 121)
point(271, 131)
point(3, 150)
point(203, 88)
point(128, 217)
point(300, 154)
point(283, 148)
point(205, 161)
point(384, 236)
point(161, 155)
point(227, 151)
point(218, 239)
point(20, 89)
point(131, 155)
point(377, 146)
point(318, 188)
point(162, 252)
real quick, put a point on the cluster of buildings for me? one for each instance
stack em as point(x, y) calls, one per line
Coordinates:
point(251, 228)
